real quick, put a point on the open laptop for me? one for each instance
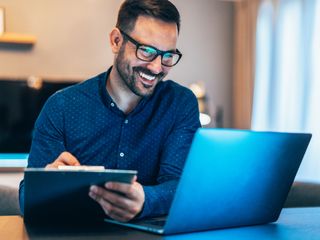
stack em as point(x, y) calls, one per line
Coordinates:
point(231, 178)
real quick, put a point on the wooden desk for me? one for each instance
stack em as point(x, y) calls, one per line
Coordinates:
point(294, 223)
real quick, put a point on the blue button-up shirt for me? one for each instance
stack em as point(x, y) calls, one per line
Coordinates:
point(153, 139)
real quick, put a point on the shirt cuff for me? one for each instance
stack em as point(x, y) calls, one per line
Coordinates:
point(149, 195)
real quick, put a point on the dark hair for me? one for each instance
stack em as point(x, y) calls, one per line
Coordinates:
point(130, 10)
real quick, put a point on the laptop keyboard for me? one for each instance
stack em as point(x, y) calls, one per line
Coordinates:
point(156, 222)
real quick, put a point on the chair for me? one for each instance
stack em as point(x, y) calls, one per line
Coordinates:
point(304, 194)
point(9, 203)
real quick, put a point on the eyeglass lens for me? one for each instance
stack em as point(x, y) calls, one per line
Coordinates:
point(146, 53)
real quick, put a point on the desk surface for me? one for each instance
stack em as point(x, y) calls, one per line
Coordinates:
point(294, 223)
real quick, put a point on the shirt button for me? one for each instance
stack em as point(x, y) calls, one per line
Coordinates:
point(121, 154)
point(112, 104)
point(126, 121)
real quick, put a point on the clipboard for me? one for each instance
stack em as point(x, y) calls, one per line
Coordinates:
point(61, 195)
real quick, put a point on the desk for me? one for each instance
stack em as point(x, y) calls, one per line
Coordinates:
point(294, 223)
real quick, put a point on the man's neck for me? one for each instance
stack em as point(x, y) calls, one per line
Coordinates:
point(125, 99)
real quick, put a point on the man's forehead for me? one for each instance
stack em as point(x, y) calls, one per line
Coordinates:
point(153, 31)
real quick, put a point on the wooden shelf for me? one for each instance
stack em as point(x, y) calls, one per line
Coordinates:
point(16, 38)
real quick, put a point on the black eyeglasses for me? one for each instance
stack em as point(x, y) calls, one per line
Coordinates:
point(148, 53)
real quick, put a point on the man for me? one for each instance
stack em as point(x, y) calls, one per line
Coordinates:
point(127, 117)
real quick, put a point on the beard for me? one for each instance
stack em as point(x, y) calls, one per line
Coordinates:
point(131, 76)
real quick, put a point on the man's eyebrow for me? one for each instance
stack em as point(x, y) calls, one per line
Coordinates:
point(170, 50)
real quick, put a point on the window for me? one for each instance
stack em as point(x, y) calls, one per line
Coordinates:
point(287, 80)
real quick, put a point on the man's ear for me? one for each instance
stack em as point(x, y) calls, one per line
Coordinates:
point(116, 40)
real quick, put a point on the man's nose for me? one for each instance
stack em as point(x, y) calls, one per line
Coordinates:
point(155, 66)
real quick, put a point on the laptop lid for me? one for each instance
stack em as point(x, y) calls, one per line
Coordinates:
point(231, 178)
point(235, 178)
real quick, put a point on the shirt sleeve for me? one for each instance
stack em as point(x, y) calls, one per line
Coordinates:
point(158, 198)
point(47, 140)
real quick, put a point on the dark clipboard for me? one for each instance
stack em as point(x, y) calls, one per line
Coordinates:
point(53, 195)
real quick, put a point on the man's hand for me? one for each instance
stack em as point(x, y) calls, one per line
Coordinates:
point(120, 201)
point(64, 159)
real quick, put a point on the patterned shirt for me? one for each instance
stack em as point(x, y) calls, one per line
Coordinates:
point(153, 139)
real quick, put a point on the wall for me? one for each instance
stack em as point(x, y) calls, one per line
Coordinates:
point(206, 40)
point(72, 42)
point(11, 179)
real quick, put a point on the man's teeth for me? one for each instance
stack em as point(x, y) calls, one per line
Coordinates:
point(148, 77)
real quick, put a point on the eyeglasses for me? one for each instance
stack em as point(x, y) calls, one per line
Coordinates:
point(148, 53)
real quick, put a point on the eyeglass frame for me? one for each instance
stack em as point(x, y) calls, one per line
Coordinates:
point(159, 52)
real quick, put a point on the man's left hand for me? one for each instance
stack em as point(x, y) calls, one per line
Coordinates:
point(120, 201)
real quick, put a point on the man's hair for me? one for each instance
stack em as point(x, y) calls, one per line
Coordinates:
point(130, 10)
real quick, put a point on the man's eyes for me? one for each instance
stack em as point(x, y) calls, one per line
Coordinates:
point(168, 55)
point(148, 51)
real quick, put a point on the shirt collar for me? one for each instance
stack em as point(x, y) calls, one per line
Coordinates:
point(108, 101)
point(106, 98)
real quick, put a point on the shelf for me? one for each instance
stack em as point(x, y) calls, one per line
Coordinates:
point(16, 38)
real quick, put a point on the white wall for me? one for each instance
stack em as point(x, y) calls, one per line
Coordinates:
point(206, 41)
point(72, 37)
point(11, 179)
point(72, 42)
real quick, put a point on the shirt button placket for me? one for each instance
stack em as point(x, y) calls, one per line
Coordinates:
point(123, 139)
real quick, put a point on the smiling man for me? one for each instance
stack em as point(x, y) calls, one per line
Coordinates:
point(127, 117)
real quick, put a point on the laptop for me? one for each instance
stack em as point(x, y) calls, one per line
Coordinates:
point(231, 178)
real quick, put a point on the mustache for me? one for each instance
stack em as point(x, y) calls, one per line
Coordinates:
point(148, 72)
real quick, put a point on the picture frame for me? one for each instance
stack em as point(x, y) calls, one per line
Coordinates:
point(2, 20)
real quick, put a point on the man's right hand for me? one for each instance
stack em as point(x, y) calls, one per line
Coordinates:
point(64, 159)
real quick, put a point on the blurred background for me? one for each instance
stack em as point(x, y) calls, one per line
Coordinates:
point(253, 64)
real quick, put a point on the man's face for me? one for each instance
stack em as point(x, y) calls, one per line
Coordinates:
point(139, 76)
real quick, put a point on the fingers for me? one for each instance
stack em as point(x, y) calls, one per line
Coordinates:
point(115, 206)
point(115, 212)
point(124, 188)
point(120, 201)
point(134, 179)
point(133, 191)
point(64, 158)
point(68, 159)
point(114, 198)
